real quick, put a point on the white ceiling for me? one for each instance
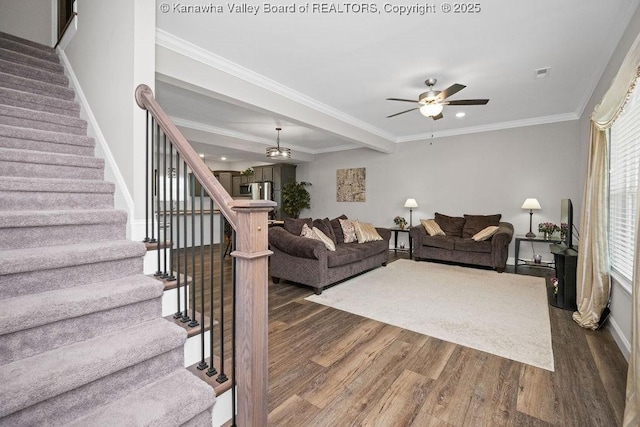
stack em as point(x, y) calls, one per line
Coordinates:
point(346, 64)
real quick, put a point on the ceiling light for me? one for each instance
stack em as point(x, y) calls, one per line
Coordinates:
point(223, 158)
point(431, 110)
point(460, 114)
point(278, 152)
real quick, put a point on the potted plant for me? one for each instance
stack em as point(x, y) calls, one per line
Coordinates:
point(295, 197)
point(400, 222)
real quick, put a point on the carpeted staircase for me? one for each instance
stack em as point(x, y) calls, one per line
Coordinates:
point(82, 341)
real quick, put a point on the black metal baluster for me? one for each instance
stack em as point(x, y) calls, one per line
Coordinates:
point(154, 182)
point(233, 331)
point(194, 321)
point(177, 253)
point(146, 180)
point(158, 174)
point(165, 178)
point(212, 369)
point(171, 173)
point(185, 187)
point(203, 364)
point(223, 377)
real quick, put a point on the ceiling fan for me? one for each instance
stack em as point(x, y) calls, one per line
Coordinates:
point(433, 101)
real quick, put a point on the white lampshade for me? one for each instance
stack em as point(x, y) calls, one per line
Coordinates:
point(531, 204)
point(431, 110)
point(411, 203)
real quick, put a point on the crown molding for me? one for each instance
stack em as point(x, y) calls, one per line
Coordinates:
point(491, 127)
point(176, 44)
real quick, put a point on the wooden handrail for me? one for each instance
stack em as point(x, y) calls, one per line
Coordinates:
point(215, 190)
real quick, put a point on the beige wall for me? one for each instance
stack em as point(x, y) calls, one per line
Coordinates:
point(29, 19)
point(112, 52)
point(483, 173)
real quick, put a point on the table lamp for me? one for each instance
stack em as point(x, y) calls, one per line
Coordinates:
point(411, 203)
point(531, 204)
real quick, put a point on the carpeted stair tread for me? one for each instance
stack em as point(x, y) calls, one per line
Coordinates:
point(20, 43)
point(34, 101)
point(31, 61)
point(36, 86)
point(14, 163)
point(32, 119)
point(29, 342)
point(52, 373)
point(44, 158)
point(43, 116)
point(14, 261)
point(19, 219)
point(36, 229)
point(30, 311)
point(54, 185)
point(171, 401)
point(56, 139)
point(33, 73)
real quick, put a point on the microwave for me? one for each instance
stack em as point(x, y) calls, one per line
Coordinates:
point(245, 189)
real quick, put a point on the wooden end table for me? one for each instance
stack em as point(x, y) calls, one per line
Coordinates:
point(395, 231)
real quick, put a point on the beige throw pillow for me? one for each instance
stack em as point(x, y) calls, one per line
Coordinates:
point(316, 234)
point(348, 230)
point(328, 243)
point(432, 227)
point(485, 233)
point(365, 232)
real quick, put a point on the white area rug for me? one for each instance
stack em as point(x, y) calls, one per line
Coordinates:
point(502, 314)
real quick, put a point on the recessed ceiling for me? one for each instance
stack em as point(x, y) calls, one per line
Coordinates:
point(348, 63)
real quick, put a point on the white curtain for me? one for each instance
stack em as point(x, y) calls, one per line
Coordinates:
point(603, 117)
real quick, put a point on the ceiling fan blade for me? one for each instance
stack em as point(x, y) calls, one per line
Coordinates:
point(438, 117)
point(467, 102)
point(403, 100)
point(451, 90)
point(402, 112)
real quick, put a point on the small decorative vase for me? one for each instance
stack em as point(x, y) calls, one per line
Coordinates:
point(537, 259)
point(546, 236)
point(401, 226)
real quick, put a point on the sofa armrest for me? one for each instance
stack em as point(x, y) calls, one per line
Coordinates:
point(297, 246)
point(417, 233)
point(503, 236)
point(385, 233)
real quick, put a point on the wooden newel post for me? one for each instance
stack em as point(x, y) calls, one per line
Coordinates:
point(252, 255)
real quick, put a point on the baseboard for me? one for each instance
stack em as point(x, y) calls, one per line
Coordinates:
point(618, 336)
point(123, 199)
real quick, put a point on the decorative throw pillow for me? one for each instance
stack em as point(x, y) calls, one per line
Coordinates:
point(328, 243)
point(294, 225)
point(432, 227)
point(308, 232)
point(337, 229)
point(451, 225)
point(475, 223)
point(324, 225)
point(348, 231)
point(485, 233)
point(365, 232)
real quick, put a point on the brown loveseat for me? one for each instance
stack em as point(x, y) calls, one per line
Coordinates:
point(309, 262)
point(457, 245)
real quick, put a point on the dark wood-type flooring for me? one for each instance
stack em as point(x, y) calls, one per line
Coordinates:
point(332, 368)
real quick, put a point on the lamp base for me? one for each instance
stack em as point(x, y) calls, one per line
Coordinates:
point(530, 234)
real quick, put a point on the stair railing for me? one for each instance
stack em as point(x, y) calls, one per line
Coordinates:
point(176, 177)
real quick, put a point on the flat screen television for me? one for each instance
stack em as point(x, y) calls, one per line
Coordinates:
point(566, 217)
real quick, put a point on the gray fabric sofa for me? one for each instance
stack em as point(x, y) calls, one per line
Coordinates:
point(457, 244)
point(308, 262)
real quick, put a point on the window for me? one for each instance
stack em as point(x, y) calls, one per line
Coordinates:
point(624, 140)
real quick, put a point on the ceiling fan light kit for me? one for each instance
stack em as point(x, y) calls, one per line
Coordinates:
point(278, 152)
point(433, 101)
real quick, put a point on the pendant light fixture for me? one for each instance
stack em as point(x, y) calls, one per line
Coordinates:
point(278, 152)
